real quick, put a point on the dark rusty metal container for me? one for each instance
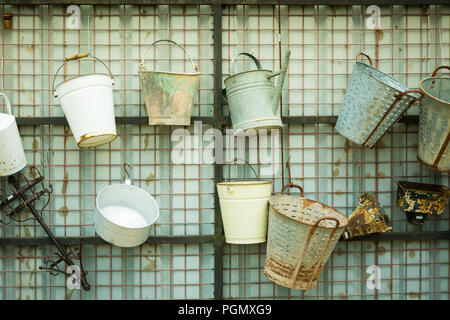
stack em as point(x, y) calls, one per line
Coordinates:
point(419, 199)
point(368, 217)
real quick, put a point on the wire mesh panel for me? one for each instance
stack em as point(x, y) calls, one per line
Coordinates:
point(409, 42)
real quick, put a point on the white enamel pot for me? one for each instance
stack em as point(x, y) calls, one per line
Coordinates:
point(125, 214)
point(12, 155)
point(88, 105)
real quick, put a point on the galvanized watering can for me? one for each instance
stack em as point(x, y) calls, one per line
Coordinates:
point(12, 155)
point(252, 97)
point(302, 234)
point(88, 105)
point(373, 103)
point(169, 96)
point(434, 122)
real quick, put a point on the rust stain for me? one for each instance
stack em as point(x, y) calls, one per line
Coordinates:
point(27, 232)
point(35, 144)
point(412, 254)
point(381, 251)
point(368, 174)
point(65, 182)
point(381, 174)
point(379, 34)
point(63, 211)
point(410, 66)
point(347, 146)
point(150, 178)
point(335, 172)
point(400, 49)
point(147, 35)
point(339, 251)
point(146, 141)
point(369, 246)
point(338, 162)
point(414, 295)
point(389, 285)
point(381, 144)
point(151, 265)
point(342, 295)
point(339, 192)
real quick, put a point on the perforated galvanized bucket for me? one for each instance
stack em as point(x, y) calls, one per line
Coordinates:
point(169, 96)
point(434, 122)
point(302, 234)
point(373, 103)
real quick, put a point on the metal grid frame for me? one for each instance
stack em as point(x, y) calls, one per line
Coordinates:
point(299, 122)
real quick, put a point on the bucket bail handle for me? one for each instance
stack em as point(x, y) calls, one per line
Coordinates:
point(8, 105)
point(362, 53)
point(127, 176)
point(439, 68)
point(195, 66)
point(248, 164)
point(78, 57)
point(255, 60)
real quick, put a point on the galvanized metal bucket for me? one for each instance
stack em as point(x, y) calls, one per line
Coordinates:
point(244, 206)
point(434, 122)
point(373, 103)
point(420, 199)
point(12, 155)
point(169, 96)
point(252, 97)
point(87, 102)
point(302, 234)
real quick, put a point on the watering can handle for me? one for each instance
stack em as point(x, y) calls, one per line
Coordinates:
point(78, 57)
point(256, 61)
point(173, 42)
point(8, 105)
point(439, 68)
point(366, 55)
point(292, 185)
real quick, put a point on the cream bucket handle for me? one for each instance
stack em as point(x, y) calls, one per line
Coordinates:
point(78, 57)
point(173, 42)
point(8, 105)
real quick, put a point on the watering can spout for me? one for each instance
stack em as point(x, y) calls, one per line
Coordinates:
point(280, 82)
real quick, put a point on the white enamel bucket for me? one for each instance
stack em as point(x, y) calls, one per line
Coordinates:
point(12, 155)
point(125, 214)
point(88, 105)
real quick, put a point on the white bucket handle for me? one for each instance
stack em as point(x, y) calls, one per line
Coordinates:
point(8, 105)
point(182, 48)
point(77, 57)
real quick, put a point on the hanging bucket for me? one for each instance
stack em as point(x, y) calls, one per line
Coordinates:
point(169, 96)
point(434, 122)
point(420, 199)
point(244, 206)
point(252, 97)
point(125, 214)
point(368, 217)
point(302, 234)
point(373, 103)
point(87, 102)
point(12, 155)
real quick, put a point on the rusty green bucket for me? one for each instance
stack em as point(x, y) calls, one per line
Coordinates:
point(169, 96)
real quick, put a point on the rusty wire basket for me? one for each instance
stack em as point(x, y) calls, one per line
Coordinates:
point(302, 234)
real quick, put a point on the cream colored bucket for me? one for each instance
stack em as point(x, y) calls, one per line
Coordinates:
point(12, 155)
point(245, 207)
point(87, 102)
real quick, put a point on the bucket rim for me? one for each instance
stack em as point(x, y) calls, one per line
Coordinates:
point(426, 164)
point(242, 72)
point(150, 197)
point(358, 63)
point(428, 94)
point(173, 72)
point(415, 186)
point(244, 183)
point(88, 136)
point(343, 225)
point(82, 76)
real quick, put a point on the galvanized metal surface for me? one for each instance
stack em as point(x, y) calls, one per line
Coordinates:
point(434, 122)
point(372, 104)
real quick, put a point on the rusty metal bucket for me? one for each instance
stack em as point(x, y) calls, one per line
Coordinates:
point(253, 98)
point(434, 122)
point(169, 96)
point(373, 103)
point(420, 199)
point(302, 234)
point(368, 217)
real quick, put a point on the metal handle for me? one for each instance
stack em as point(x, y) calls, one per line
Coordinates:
point(173, 42)
point(438, 68)
point(127, 176)
point(251, 167)
point(8, 105)
point(78, 57)
point(397, 99)
point(256, 61)
point(293, 185)
point(366, 55)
